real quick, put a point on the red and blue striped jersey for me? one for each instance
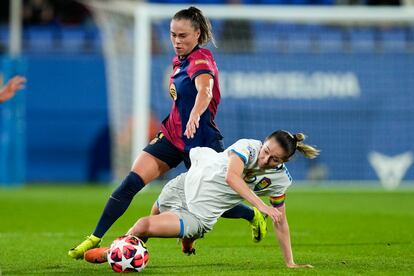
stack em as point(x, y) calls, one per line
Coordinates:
point(183, 92)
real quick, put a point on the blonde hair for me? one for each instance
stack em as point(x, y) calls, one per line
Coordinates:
point(307, 150)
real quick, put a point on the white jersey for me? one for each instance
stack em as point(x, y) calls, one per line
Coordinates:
point(208, 195)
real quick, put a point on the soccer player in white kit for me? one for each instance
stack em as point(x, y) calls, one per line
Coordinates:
point(190, 204)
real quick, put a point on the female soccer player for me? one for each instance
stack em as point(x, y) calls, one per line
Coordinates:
point(189, 205)
point(10, 89)
point(194, 89)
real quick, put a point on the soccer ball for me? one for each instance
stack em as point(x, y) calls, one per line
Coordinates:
point(128, 254)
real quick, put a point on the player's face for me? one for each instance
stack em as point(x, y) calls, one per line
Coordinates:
point(271, 154)
point(183, 36)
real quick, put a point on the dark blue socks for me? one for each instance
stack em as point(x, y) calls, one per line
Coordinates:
point(118, 202)
point(239, 211)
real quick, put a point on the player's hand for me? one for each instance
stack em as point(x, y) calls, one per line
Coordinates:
point(272, 212)
point(15, 84)
point(192, 125)
point(299, 265)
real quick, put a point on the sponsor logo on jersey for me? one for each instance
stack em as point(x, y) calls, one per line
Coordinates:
point(250, 177)
point(200, 61)
point(263, 183)
point(173, 92)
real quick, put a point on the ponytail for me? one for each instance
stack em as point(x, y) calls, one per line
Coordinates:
point(307, 150)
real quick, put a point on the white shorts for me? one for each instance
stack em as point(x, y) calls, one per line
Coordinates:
point(172, 199)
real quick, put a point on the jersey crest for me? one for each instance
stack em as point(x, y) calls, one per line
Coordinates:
point(263, 184)
point(173, 92)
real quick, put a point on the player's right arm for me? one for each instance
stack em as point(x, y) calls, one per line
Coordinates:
point(204, 85)
point(235, 181)
point(15, 84)
point(282, 232)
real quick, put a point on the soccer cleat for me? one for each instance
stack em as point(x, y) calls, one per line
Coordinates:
point(258, 225)
point(97, 255)
point(90, 242)
point(189, 252)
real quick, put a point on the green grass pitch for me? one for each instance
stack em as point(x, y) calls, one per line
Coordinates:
point(341, 231)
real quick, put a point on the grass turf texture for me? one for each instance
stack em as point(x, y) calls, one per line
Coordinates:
point(340, 231)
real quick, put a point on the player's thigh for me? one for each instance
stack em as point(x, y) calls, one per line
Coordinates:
point(149, 167)
point(164, 225)
point(172, 196)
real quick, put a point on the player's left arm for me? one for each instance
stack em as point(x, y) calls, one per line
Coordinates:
point(204, 85)
point(282, 232)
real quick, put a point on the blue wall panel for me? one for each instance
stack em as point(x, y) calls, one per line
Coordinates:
point(66, 116)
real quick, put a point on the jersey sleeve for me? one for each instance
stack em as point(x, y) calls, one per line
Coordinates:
point(200, 64)
point(246, 149)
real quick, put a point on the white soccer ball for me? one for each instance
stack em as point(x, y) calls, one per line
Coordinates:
point(128, 254)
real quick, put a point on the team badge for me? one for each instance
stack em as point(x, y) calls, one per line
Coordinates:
point(173, 92)
point(264, 183)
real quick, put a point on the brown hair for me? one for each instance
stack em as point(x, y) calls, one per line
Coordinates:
point(292, 142)
point(199, 22)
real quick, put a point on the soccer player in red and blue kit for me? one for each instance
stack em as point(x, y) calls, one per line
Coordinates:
point(184, 127)
point(194, 88)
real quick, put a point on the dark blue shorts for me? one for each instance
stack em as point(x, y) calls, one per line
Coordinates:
point(164, 150)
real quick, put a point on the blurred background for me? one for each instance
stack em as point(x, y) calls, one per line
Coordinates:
point(346, 84)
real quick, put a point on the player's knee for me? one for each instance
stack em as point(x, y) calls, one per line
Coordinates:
point(131, 185)
point(155, 210)
point(141, 227)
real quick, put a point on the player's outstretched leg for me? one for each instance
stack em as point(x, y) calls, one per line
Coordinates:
point(117, 204)
point(164, 225)
point(145, 169)
point(258, 225)
point(97, 255)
